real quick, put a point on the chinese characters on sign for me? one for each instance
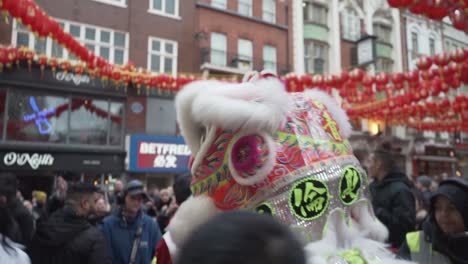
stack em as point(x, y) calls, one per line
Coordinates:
point(166, 154)
point(151, 153)
point(350, 183)
point(309, 199)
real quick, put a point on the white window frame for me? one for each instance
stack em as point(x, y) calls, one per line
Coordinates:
point(350, 24)
point(246, 3)
point(221, 4)
point(385, 37)
point(310, 8)
point(415, 50)
point(118, 3)
point(267, 60)
point(161, 12)
point(82, 39)
point(162, 54)
point(432, 42)
point(225, 49)
point(311, 56)
point(241, 56)
point(266, 12)
point(381, 62)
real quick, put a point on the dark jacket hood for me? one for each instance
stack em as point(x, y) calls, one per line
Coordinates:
point(60, 227)
point(395, 175)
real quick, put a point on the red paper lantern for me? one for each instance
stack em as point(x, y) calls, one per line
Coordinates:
point(53, 63)
point(418, 7)
point(412, 76)
point(455, 82)
point(423, 90)
point(368, 80)
point(42, 60)
point(79, 68)
point(30, 14)
point(458, 18)
point(317, 80)
point(117, 75)
point(382, 78)
point(12, 56)
point(424, 63)
point(65, 66)
point(306, 80)
point(357, 75)
point(442, 59)
point(436, 85)
point(394, 3)
point(458, 55)
point(444, 87)
point(397, 78)
point(438, 10)
point(29, 56)
point(3, 58)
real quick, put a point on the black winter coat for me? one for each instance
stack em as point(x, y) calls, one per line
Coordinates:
point(67, 238)
point(23, 228)
point(394, 205)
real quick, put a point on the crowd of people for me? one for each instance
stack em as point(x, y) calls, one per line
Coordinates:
point(79, 223)
point(427, 222)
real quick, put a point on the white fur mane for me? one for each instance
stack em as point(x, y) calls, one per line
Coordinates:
point(261, 105)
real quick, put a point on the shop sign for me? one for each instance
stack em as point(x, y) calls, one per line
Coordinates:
point(33, 160)
point(17, 160)
point(76, 79)
point(158, 154)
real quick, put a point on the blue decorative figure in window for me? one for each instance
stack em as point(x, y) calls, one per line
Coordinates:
point(39, 117)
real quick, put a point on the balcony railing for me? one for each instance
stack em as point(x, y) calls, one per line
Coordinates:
point(239, 62)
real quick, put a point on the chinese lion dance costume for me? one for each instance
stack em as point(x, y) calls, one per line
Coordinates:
point(256, 147)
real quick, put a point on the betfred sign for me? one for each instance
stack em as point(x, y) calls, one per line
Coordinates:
point(157, 154)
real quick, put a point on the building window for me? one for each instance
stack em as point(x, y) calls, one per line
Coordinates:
point(218, 49)
point(244, 53)
point(162, 55)
point(432, 50)
point(165, 7)
point(384, 65)
point(383, 33)
point(269, 11)
point(219, 3)
point(110, 44)
point(414, 43)
point(34, 116)
point(315, 13)
point(94, 130)
point(245, 7)
point(120, 3)
point(350, 24)
point(316, 58)
point(269, 58)
point(24, 124)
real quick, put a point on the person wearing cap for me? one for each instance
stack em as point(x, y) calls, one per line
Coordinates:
point(131, 234)
point(444, 238)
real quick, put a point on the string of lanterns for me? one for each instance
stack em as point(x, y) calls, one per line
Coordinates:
point(457, 10)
